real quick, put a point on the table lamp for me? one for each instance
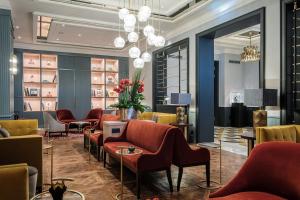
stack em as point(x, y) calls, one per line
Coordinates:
point(180, 99)
point(260, 98)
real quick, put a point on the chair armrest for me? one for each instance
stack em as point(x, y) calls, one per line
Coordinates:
point(115, 139)
point(15, 182)
point(23, 149)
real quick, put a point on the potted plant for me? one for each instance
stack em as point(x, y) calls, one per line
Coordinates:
point(130, 96)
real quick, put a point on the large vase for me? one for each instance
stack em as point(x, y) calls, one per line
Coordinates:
point(123, 114)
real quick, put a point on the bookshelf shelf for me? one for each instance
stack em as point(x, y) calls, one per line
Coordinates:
point(104, 77)
point(40, 83)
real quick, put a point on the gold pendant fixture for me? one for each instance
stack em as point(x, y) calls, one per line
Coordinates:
point(250, 53)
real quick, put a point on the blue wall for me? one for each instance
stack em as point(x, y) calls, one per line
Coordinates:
point(6, 48)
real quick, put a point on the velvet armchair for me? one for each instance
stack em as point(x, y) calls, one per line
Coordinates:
point(65, 116)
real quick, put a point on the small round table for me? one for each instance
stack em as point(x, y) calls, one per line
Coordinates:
point(80, 125)
point(49, 147)
point(68, 195)
point(123, 151)
point(215, 146)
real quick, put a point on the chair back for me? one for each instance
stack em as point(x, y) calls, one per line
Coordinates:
point(64, 114)
point(95, 114)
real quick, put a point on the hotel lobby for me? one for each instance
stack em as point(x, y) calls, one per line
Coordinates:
point(149, 99)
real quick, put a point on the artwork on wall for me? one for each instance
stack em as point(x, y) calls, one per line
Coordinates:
point(236, 97)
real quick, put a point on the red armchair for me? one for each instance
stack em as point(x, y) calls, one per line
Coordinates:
point(94, 115)
point(156, 141)
point(97, 136)
point(184, 156)
point(270, 173)
point(65, 116)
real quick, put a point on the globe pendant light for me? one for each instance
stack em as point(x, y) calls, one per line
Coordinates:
point(160, 41)
point(123, 12)
point(138, 63)
point(146, 57)
point(134, 52)
point(144, 13)
point(151, 39)
point(130, 20)
point(148, 30)
point(128, 28)
point(133, 37)
point(119, 42)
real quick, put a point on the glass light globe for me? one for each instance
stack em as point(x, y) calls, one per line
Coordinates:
point(128, 28)
point(130, 20)
point(133, 37)
point(145, 11)
point(123, 12)
point(119, 42)
point(146, 57)
point(151, 39)
point(148, 30)
point(138, 63)
point(142, 18)
point(134, 52)
point(160, 41)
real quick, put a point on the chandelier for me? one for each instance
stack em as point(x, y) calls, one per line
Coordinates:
point(250, 53)
point(153, 37)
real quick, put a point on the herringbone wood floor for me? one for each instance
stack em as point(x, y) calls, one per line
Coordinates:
point(98, 183)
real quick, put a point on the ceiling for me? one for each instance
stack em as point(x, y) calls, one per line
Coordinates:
point(94, 23)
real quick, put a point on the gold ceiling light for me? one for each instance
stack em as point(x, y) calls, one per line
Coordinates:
point(250, 53)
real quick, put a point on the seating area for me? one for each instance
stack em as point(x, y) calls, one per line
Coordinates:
point(149, 100)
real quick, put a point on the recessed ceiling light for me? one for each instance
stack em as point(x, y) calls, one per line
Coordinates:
point(17, 27)
point(79, 35)
point(19, 37)
point(57, 39)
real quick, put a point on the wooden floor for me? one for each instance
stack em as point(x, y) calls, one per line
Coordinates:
point(97, 183)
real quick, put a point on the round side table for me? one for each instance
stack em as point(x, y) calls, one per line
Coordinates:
point(49, 147)
point(68, 195)
point(123, 151)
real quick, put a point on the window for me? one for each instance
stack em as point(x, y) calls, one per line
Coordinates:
point(43, 27)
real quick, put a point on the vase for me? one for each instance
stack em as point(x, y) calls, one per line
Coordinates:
point(132, 113)
point(123, 114)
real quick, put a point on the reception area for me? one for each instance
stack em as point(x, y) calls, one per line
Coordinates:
point(149, 99)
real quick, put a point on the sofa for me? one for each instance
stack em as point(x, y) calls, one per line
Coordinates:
point(14, 182)
point(270, 173)
point(97, 137)
point(155, 140)
point(289, 133)
point(185, 156)
point(23, 146)
point(158, 117)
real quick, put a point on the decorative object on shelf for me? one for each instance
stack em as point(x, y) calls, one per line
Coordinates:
point(260, 98)
point(110, 80)
point(33, 92)
point(99, 92)
point(181, 99)
point(49, 94)
point(13, 65)
point(143, 15)
point(251, 52)
point(48, 63)
point(130, 96)
point(31, 61)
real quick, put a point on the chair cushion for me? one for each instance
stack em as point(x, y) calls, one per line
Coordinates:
point(97, 138)
point(249, 196)
point(146, 135)
point(131, 160)
point(276, 133)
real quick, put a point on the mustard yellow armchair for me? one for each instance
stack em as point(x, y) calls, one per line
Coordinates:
point(14, 182)
point(20, 127)
point(161, 118)
point(289, 133)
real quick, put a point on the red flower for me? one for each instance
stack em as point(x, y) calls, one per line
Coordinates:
point(141, 89)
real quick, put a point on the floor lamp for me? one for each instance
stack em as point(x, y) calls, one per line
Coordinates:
point(260, 98)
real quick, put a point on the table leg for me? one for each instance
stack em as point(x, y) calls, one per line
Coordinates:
point(220, 161)
point(250, 145)
point(51, 173)
point(89, 146)
point(121, 174)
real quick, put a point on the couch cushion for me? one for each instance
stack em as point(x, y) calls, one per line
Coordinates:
point(20, 127)
point(108, 117)
point(249, 196)
point(146, 135)
point(4, 133)
point(130, 160)
point(297, 133)
point(276, 133)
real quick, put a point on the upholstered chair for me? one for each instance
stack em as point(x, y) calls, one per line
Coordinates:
point(94, 115)
point(270, 173)
point(65, 116)
point(54, 126)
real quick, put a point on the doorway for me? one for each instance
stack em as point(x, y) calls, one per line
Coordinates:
point(205, 73)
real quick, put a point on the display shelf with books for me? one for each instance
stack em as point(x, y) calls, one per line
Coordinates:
point(104, 77)
point(40, 82)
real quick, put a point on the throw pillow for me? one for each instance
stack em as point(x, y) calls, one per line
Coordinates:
point(4, 133)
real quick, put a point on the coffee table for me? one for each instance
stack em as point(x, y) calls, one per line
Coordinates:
point(123, 151)
point(80, 125)
point(68, 195)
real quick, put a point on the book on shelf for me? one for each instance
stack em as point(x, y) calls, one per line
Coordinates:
point(43, 106)
point(56, 105)
point(29, 105)
point(54, 79)
point(25, 106)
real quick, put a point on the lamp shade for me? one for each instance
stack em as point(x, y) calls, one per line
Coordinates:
point(181, 98)
point(260, 97)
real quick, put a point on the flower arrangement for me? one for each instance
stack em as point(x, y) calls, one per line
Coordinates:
point(130, 93)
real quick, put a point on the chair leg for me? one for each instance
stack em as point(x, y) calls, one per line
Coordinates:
point(138, 185)
point(98, 152)
point(207, 166)
point(170, 179)
point(104, 158)
point(179, 178)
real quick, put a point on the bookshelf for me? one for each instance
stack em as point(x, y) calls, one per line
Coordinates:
point(40, 82)
point(104, 77)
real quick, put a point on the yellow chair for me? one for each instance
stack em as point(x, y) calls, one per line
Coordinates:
point(289, 133)
point(161, 118)
point(14, 182)
point(23, 146)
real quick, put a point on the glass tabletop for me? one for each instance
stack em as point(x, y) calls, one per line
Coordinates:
point(68, 195)
point(126, 152)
